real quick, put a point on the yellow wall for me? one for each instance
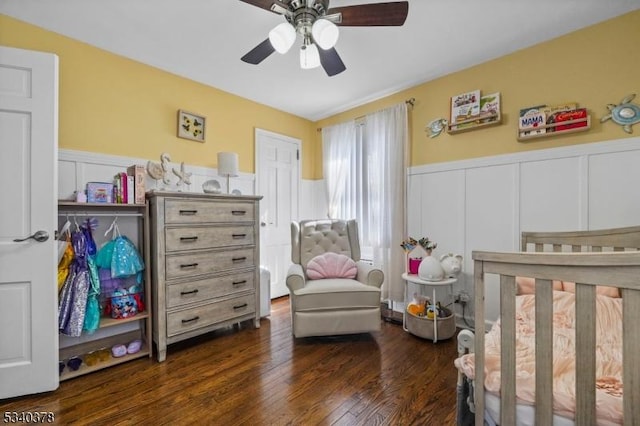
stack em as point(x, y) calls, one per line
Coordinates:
point(594, 66)
point(113, 105)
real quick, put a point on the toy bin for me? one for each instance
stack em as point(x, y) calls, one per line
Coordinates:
point(125, 304)
point(423, 326)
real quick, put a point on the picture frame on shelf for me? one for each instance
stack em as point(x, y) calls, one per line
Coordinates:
point(191, 126)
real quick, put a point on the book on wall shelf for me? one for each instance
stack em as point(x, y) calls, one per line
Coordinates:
point(532, 121)
point(576, 114)
point(464, 106)
point(551, 113)
point(490, 106)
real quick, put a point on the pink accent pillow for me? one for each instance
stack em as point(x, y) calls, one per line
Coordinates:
point(331, 265)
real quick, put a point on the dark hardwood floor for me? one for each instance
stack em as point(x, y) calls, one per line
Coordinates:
point(246, 376)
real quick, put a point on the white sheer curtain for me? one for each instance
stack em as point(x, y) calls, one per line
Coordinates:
point(339, 153)
point(365, 175)
point(387, 140)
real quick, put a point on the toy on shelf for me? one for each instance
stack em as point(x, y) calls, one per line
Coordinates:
point(418, 305)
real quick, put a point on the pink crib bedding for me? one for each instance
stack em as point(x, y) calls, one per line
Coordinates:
point(608, 356)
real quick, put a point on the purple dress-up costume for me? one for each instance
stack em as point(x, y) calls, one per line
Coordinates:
point(73, 299)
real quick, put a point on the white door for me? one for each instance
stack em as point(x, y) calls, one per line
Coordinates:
point(28, 172)
point(278, 181)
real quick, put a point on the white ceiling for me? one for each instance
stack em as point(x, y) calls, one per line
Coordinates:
point(203, 40)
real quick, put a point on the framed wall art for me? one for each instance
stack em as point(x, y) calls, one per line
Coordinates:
point(191, 126)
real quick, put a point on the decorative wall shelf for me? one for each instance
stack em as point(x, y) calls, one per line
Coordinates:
point(552, 131)
point(474, 123)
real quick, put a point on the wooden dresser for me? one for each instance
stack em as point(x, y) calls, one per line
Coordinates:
point(205, 264)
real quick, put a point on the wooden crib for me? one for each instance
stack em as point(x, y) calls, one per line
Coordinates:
point(589, 259)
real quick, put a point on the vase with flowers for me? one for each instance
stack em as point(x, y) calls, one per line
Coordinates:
point(427, 245)
point(430, 268)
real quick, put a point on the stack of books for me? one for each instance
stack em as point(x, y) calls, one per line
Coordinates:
point(129, 188)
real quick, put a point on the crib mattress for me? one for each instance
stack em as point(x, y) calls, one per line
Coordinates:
point(525, 414)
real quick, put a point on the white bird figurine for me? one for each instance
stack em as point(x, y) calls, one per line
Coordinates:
point(183, 176)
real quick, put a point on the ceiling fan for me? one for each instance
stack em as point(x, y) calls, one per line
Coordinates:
point(318, 24)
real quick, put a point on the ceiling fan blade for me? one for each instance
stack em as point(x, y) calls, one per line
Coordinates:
point(268, 5)
point(331, 62)
point(373, 15)
point(259, 53)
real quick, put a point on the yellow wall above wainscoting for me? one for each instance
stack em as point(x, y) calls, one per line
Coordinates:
point(593, 66)
point(113, 105)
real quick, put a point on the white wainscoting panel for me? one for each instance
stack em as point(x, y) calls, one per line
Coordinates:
point(76, 168)
point(442, 207)
point(485, 203)
point(551, 195)
point(614, 189)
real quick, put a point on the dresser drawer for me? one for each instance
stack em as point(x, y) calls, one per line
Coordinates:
point(193, 264)
point(193, 211)
point(202, 316)
point(188, 238)
point(200, 290)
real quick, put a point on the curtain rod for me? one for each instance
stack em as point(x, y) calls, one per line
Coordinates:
point(410, 101)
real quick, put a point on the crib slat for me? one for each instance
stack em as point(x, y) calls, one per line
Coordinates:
point(630, 350)
point(544, 352)
point(478, 278)
point(585, 352)
point(508, 350)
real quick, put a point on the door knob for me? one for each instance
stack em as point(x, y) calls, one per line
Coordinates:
point(39, 236)
point(263, 224)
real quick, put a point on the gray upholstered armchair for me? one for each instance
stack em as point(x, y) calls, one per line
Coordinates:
point(331, 306)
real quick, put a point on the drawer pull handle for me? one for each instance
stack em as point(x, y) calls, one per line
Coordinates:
point(239, 259)
point(185, 321)
point(238, 236)
point(238, 212)
point(188, 212)
point(188, 238)
point(244, 305)
point(189, 265)
point(239, 282)
point(182, 293)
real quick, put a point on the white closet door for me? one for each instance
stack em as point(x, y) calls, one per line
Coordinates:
point(28, 172)
point(278, 181)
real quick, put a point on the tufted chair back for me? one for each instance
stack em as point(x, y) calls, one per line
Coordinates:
point(310, 238)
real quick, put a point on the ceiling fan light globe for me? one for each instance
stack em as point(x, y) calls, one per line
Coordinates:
point(325, 33)
point(309, 57)
point(282, 37)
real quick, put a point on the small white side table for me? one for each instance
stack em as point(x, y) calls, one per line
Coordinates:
point(414, 279)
